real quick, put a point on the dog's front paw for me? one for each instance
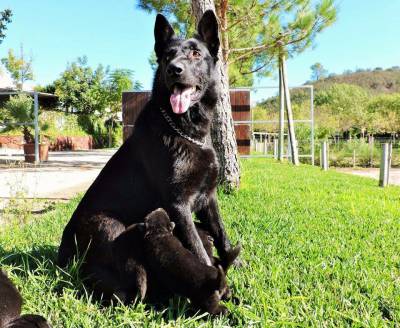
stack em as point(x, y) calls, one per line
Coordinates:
point(231, 257)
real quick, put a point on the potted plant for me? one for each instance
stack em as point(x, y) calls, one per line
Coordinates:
point(19, 109)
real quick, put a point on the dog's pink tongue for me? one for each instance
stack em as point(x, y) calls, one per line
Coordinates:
point(180, 100)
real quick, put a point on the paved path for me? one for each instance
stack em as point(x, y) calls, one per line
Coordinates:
point(63, 176)
point(394, 177)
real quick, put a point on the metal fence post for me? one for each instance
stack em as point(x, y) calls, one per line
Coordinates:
point(312, 125)
point(324, 156)
point(289, 149)
point(384, 168)
point(275, 148)
point(291, 129)
point(390, 158)
point(36, 121)
point(281, 112)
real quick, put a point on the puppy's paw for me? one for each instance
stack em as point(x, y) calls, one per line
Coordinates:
point(227, 294)
point(231, 257)
point(220, 310)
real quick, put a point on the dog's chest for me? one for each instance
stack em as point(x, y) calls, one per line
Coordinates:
point(195, 171)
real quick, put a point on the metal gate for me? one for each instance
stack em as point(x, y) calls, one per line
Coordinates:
point(257, 136)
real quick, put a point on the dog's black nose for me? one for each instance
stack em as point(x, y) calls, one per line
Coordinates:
point(175, 69)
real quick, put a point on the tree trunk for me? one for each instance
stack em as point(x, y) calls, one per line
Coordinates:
point(222, 129)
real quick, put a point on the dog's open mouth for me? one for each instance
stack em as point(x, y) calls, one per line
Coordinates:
point(183, 96)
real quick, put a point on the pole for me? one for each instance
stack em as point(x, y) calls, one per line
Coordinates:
point(275, 148)
point(291, 132)
point(324, 155)
point(36, 113)
point(384, 169)
point(371, 150)
point(312, 126)
point(281, 113)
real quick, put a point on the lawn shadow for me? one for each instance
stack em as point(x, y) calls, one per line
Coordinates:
point(29, 259)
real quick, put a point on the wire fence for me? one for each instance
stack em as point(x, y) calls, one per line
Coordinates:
point(363, 152)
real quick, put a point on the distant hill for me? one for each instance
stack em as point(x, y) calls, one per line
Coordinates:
point(376, 81)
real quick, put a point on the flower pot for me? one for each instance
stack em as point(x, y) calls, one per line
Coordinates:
point(29, 152)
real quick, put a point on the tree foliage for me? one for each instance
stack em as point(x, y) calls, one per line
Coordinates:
point(253, 32)
point(5, 18)
point(19, 68)
point(118, 81)
point(346, 105)
point(384, 111)
point(81, 89)
point(376, 82)
point(95, 94)
point(318, 72)
point(340, 109)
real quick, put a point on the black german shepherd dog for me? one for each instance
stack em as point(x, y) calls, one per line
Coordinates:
point(164, 163)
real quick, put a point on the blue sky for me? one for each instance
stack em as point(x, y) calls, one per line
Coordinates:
point(118, 34)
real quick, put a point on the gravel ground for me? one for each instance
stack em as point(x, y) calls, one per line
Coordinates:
point(63, 176)
point(394, 177)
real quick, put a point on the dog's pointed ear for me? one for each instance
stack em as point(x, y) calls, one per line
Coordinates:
point(208, 32)
point(163, 32)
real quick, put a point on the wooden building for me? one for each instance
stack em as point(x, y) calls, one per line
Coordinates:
point(133, 103)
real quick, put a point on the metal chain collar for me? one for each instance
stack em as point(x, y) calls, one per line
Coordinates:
point(179, 131)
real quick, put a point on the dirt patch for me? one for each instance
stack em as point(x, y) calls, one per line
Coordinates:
point(394, 176)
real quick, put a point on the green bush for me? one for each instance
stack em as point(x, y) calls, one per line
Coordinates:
point(54, 124)
point(96, 127)
point(19, 109)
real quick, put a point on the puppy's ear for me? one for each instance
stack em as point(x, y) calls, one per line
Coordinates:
point(163, 32)
point(208, 32)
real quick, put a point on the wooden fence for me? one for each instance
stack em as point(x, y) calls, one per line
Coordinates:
point(133, 103)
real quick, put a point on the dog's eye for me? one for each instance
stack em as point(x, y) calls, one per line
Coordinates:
point(169, 55)
point(195, 53)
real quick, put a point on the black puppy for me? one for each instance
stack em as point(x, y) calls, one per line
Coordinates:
point(178, 269)
point(164, 163)
point(132, 262)
point(10, 308)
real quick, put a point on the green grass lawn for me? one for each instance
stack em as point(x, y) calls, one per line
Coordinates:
point(319, 249)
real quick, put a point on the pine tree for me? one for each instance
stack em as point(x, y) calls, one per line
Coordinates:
point(5, 18)
point(318, 72)
point(254, 35)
